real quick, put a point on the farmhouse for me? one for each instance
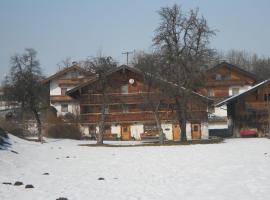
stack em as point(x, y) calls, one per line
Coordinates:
point(127, 115)
point(223, 81)
point(60, 83)
point(249, 112)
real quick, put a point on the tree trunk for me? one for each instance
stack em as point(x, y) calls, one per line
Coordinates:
point(160, 131)
point(183, 125)
point(40, 138)
point(182, 118)
point(102, 123)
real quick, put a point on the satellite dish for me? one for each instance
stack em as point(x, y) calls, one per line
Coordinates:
point(131, 81)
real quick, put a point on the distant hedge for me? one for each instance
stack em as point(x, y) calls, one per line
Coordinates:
point(3, 135)
point(68, 131)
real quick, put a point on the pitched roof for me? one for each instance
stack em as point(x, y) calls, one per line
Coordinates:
point(63, 71)
point(233, 98)
point(135, 70)
point(234, 67)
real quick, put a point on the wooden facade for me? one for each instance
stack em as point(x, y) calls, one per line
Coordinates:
point(221, 82)
point(224, 77)
point(250, 110)
point(60, 83)
point(126, 102)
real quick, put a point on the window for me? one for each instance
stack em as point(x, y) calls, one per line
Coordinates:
point(63, 91)
point(265, 97)
point(124, 89)
point(218, 77)
point(87, 109)
point(64, 108)
point(107, 110)
point(125, 108)
point(211, 92)
point(235, 91)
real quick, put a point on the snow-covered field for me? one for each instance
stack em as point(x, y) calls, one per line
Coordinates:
point(237, 169)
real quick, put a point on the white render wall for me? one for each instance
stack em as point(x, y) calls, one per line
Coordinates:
point(136, 130)
point(84, 129)
point(167, 130)
point(241, 88)
point(217, 125)
point(73, 107)
point(116, 130)
point(221, 111)
point(54, 88)
point(188, 131)
point(204, 130)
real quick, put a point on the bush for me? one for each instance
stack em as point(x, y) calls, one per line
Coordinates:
point(3, 135)
point(65, 131)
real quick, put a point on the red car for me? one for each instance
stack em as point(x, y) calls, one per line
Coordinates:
point(249, 132)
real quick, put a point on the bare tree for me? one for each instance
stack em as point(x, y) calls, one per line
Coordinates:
point(101, 66)
point(64, 63)
point(150, 66)
point(183, 39)
point(24, 86)
point(252, 62)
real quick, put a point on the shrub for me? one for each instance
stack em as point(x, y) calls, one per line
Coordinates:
point(3, 135)
point(65, 131)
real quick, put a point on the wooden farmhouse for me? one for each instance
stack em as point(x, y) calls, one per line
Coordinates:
point(127, 114)
point(249, 112)
point(223, 81)
point(60, 83)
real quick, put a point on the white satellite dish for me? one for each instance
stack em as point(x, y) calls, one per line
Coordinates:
point(131, 81)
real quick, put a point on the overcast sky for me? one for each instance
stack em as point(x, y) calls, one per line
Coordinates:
point(80, 28)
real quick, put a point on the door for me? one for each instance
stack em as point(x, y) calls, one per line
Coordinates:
point(176, 132)
point(125, 132)
point(196, 131)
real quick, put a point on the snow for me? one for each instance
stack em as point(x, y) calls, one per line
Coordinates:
point(235, 169)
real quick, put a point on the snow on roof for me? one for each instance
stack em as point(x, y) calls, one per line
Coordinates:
point(242, 94)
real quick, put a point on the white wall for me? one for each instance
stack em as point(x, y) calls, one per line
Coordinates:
point(116, 130)
point(221, 111)
point(188, 131)
point(73, 107)
point(167, 130)
point(54, 88)
point(204, 130)
point(136, 130)
point(241, 88)
point(84, 129)
point(217, 125)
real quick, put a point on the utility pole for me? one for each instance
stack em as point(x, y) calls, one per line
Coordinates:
point(127, 53)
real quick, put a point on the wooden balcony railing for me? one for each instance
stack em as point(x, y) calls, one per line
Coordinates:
point(97, 99)
point(72, 81)
point(125, 117)
point(139, 117)
point(224, 82)
point(60, 98)
point(257, 106)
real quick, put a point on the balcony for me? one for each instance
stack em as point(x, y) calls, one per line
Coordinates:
point(213, 83)
point(125, 117)
point(117, 98)
point(257, 106)
point(60, 98)
point(71, 81)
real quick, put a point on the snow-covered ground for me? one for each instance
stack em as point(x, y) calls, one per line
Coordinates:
point(235, 169)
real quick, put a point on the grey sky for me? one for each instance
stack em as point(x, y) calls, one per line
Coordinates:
point(79, 28)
